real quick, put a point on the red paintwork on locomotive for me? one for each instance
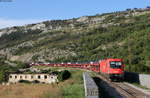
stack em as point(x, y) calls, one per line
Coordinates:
point(106, 69)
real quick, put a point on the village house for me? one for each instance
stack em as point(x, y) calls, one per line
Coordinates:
point(42, 78)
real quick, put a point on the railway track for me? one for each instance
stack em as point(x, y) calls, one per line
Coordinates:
point(122, 90)
point(130, 92)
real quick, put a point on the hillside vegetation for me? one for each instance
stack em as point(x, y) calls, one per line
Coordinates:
point(123, 35)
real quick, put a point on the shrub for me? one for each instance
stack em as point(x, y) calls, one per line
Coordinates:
point(35, 81)
point(64, 75)
point(24, 81)
point(2, 76)
point(22, 65)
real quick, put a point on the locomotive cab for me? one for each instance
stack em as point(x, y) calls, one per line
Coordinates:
point(112, 68)
point(116, 70)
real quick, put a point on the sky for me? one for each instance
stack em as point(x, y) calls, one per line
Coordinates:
point(21, 12)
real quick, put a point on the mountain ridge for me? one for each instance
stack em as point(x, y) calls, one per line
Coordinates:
point(111, 35)
point(49, 25)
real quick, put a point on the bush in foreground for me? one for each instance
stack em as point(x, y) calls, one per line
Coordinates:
point(64, 75)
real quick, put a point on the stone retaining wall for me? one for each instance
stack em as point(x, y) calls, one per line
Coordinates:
point(144, 80)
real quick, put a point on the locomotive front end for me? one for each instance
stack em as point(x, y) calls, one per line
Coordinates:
point(116, 69)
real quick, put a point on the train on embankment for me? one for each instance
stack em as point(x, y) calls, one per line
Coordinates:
point(111, 68)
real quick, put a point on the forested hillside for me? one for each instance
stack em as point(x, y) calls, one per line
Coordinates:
point(123, 35)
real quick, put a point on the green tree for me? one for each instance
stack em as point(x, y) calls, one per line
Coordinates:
point(63, 75)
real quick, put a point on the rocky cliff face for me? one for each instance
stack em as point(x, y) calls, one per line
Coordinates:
point(77, 22)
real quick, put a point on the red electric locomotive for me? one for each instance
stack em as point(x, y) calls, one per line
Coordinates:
point(113, 69)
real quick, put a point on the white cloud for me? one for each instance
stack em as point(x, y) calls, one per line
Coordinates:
point(17, 22)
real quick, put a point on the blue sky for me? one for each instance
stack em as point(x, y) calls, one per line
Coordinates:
point(20, 12)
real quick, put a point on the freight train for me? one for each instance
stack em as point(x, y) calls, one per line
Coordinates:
point(111, 68)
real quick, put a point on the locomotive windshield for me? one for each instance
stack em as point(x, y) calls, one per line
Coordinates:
point(115, 64)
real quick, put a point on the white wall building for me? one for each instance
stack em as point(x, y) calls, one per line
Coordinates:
point(43, 78)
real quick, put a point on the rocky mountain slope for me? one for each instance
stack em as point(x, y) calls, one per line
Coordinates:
point(119, 34)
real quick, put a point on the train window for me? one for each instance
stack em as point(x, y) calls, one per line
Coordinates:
point(112, 63)
point(115, 64)
point(118, 63)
